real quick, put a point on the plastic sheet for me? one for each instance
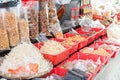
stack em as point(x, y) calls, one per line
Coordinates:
point(113, 33)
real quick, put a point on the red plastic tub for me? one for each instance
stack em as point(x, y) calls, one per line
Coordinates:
point(62, 71)
point(91, 38)
point(72, 48)
point(55, 59)
point(93, 57)
point(112, 52)
point(82, 44)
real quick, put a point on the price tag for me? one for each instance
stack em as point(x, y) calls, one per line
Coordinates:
point(41, 37)
point(9, 3)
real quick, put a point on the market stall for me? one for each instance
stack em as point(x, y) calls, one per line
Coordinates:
point(58, 39)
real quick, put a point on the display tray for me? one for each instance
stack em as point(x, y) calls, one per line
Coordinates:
point(55, 59)
point(72, 48)
point(63, 71)
point(102, 59)
point(81, 44)
point(94, 34)
point(102, 43)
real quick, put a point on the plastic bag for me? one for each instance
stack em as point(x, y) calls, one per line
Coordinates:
point(86, 24)
point(84, 65)
point(10, 20)
point(75, 74)
point(55, 27)
point(72, 31)
point(4, 43)
point(54, 77)
point(43, 17)
point(23, 25)
point(97, 24)
point(62, 1)
point(33, 19)
point(87, 66)
point(100, 8)
point(113, 33)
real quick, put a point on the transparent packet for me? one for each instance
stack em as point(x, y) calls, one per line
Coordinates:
point(4, 43)
point(23, 25)
point(43, 17)
point(86, 24)
point(10, 21)
point(32, 10)
point(54, 23)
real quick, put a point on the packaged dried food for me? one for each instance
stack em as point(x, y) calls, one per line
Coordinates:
point(54, 23)
point(10, 9)
point(4, 43)
point(33, 18)
point(23, 30)
point(10, 20)
point(43, 17)
point(23, 25)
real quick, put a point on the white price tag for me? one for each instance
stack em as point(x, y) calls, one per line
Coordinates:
point(62, 1)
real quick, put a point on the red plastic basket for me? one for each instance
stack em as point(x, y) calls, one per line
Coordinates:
point(72, 48)
point(82, 44)
point(55, 59)
point(62, 72)
point(118, 16)
point(112, 52)
point(93, 57)
point(91, 38)
point(98, 32)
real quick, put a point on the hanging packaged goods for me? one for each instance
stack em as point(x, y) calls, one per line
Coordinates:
point(54, 23)
point(10, 21)
point(43, 17)
point(4, 43)
point(23, 25)
point(32, 19)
